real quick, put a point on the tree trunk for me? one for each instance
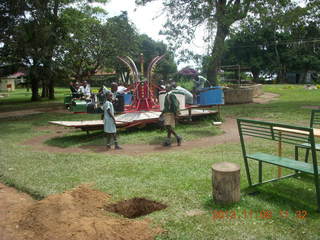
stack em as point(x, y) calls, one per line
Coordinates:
point(44, 89)
point(217, 51)
point(51, 88)
point(282, 74)
point(304, 76)
point(255, 74)
point(34, 85)
point(226, 182)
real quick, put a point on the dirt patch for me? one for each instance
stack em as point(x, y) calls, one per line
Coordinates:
point(19, 113)
point(135, 207)
point(266, 98)
point(11, 202)
point(195, 212)
point(22, 113)
point(230, 136)
point(311, 107)
point(77, 214)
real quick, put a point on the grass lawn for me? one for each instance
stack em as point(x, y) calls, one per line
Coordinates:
point(180, 179)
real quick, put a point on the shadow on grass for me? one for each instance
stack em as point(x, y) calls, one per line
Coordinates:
point(284, 196)
point(202, 133)
point(75, 140)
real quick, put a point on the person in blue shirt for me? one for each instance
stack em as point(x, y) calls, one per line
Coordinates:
point(109, 122)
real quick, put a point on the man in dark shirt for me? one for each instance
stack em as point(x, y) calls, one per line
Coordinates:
point(169, 113)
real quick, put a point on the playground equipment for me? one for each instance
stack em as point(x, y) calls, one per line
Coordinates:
point(145, 106)
point(144, 98)
point(143, 91)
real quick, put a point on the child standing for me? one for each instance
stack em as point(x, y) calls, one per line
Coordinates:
point(169, 113)
point(109, 122)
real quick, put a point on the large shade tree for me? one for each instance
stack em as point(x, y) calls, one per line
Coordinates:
point(185, 16)
point(282, 37)
point(34, 33)
point(92, 45)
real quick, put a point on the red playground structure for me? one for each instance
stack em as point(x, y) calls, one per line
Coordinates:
point(144, 98)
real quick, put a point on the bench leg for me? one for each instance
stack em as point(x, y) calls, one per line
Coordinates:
point(247, 171)
point(296, 155)
point(260, 172)
point(307, 155)
point(316, 181)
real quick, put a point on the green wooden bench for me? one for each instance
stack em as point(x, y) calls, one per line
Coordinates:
point(315, 124)
point(283, 134)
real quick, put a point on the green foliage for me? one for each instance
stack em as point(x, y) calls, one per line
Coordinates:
point(151, 49)
point(36, 32)
point(281, 37)
point(92, 45)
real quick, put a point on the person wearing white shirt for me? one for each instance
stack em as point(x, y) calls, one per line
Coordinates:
point(85, 89)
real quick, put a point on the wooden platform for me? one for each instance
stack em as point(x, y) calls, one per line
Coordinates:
point(128, 120)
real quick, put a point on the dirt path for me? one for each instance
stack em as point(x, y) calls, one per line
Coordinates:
point(266, 98)
point(22, 113)
point(230, 135)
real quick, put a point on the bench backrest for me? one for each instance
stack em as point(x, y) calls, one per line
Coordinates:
point(315, 119)
point(289, 134)
point(275, 131)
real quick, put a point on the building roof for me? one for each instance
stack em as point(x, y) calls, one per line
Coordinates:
point(15, 75)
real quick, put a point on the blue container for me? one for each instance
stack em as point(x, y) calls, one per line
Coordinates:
point(127, 98)
point(197, 100)
point(211, 96)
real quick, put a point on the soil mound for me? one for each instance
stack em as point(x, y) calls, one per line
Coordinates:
point(78, 214)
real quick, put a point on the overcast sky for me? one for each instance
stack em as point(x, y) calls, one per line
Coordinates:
point(143, 17)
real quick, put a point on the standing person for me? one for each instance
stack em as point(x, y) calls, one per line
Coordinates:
point(72, 88)
point(200, 81)
point(169, 113)
point(109, 123)
point(86, 89)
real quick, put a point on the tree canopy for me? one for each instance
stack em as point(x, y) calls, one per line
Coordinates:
point(285, 40)
point(220, 18)
point(59, 39)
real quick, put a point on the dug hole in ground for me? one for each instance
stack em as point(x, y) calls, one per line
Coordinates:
point(78, 214)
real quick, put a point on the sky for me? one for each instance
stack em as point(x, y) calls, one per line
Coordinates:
point(144, 17)
point(149, 20)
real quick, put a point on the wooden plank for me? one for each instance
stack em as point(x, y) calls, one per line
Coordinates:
point(290, 130)
point(316, 132)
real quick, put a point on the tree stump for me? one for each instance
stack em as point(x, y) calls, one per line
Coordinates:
point(226, 182)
